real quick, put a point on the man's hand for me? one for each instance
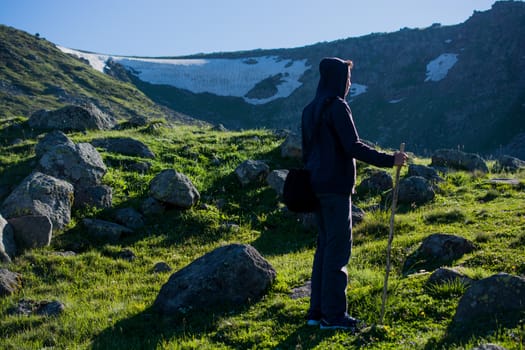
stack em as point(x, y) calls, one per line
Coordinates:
point(400, 158)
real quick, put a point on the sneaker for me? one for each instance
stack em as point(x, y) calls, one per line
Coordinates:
point(313, 319)
point(346, 323)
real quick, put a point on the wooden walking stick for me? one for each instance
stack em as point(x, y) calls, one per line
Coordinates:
point(390, 236)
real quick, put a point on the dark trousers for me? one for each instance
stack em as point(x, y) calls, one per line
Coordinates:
point(334, 246)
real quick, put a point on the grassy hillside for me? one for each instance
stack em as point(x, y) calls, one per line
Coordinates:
point(35, 74)
point(108, 298)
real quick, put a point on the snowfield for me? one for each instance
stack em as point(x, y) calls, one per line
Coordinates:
point(222, 77)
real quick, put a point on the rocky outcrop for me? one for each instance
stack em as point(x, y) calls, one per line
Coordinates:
point(231, 275)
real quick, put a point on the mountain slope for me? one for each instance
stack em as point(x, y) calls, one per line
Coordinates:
point(35, 74)
point(442, 86)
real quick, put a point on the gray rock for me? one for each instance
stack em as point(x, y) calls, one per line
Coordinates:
point(41, 194)
point(509, 164)
point(81, 165)
point(252, 171)
point(32, 231)
point(455, 159)
point(29, 307)
point(105, 230)
point(129, 217)
point(292, 146)
point(446, 274)
point(437, 250)
point(10, 282)
point(161, 267)
point(231, 275)
point(7, 241)
point(376, 182)
point(415, 189)
point(174, 188)
point(428, 173)
point(99, 196)
point(303, 291)
point(276, 180)
point(491, 303)
point(124, 145)
point(50, 140)
point(77, 118)
point(151, 206)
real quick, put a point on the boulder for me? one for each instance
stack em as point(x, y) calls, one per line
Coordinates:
point(415, 190)
point(29, 307)
point(105, 230)
point(252, 171)
point(7, 241)
point(78, 118)
point(10, 282)
point(455, 159)
point(437, 250)
point(376, 182)
point(276, 180)
point(174, 188)
point(41, 194)
point(231, 275)
point(129, 217)
point(509, 164)
point(81, 165)
point(50, 140)
point(151, 206)
point(32, 231)
point(124, 145)
point(427, 172)
point(292, 146)
point(99, 196)
point(446, 274)
point(490, 303)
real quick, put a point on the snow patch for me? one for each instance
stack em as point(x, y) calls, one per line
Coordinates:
point(357, 89)
point(438, 68)
point(396, 101)
point(219, 76)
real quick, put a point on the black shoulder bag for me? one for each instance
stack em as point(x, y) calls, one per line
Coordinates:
point(298, 194)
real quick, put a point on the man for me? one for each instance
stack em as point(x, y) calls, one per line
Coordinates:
point(330, 146)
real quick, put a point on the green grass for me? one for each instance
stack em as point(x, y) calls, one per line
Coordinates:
point(108, 299)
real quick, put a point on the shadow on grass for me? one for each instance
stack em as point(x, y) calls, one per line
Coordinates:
point(151, 330)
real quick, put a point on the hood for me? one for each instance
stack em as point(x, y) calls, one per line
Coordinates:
point(333, 77)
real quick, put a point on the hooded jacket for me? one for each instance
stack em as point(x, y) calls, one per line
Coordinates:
point(329, 137)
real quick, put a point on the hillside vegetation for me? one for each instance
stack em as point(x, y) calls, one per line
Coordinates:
point(108, 298)
point(35, 74)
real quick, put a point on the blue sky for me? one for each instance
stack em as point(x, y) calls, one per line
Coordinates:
point(179, 27)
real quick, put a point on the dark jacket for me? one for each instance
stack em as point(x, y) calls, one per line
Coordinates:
point(329, 137)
